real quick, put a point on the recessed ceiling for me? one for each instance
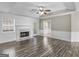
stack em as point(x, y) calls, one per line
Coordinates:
point(25, 8)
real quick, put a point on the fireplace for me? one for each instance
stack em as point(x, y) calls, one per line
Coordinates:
point(24, 34)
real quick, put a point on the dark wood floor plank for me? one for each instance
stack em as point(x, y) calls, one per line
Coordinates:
point(40, 46)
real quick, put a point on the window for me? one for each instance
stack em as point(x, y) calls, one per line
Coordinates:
point(8, 24)
point(46, 26)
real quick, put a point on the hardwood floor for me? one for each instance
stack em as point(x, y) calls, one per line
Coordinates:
point(40, 47)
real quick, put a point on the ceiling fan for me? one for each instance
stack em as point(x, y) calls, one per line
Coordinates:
point(41, 10)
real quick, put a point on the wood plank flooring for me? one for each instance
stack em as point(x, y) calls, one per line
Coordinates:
point(40, 46)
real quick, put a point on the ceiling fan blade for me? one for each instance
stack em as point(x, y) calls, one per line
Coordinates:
point(48, 10)
point(45, 13)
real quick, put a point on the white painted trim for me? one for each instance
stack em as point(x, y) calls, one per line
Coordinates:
point(61, 14)
point(45, 17)
point(35, 34)
point(6, 41)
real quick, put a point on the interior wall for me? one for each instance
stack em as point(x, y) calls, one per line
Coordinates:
point(6, 36)
point(75, 27)
point(20, 21)
point(24, 23)
point(61, 23)
point(36, 26)
point(60, 27)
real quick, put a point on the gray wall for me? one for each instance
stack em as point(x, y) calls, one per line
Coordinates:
point(60, 27)
point(61, 23)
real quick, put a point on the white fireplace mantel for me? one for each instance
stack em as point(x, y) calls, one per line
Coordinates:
point(23, 29)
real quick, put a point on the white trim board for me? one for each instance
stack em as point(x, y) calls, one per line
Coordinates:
point(35, 34)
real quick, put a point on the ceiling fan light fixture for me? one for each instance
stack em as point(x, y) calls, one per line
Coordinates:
point(47, 10)
point(42, 10)
point(40, 13)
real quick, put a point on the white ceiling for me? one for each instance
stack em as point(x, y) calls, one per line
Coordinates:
point(25, 8)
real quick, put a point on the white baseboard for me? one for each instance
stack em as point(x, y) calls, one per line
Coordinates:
point(36, 34)
point(7, 41)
